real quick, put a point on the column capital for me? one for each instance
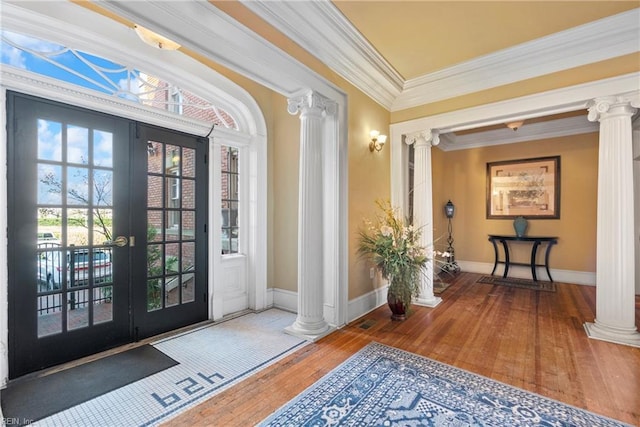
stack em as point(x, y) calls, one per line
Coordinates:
point(617, 105)
point(424, 137)
point(311, 101)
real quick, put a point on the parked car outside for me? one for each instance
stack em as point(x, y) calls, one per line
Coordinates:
point(52, 261)
point(47, 237)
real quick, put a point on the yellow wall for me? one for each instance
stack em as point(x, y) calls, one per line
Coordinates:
point(368, 175)
point(461, 177)
point(442, 192)
point(457, 175)
point(369, 180)
point(284, 168)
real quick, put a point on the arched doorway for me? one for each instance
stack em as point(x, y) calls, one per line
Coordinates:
point(249, 140)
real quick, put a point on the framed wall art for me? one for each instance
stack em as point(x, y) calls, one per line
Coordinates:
point(525, 187)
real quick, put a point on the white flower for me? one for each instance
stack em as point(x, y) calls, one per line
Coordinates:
point(386, 231)
point(405, 232)
point(415, 252)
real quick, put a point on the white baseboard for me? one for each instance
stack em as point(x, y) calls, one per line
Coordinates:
point(284, 300)
point(269, 297)
point(565, 276)
point(363, 304)
point(288, 300)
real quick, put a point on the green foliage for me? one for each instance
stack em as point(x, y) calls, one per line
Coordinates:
point(44, 222)
point(392, 244)
point(154, 269)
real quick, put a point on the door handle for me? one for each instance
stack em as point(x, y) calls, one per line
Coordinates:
point(120, 241)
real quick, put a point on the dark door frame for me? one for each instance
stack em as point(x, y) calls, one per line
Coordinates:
point(27, 352)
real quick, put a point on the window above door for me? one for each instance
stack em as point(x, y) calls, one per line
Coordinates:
point(108, 77)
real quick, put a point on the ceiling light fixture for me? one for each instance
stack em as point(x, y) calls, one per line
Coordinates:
point(377, 141)
point(515, 125)
point(154, 39)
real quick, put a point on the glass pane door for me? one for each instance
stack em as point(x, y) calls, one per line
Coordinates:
point(74, 227)
point(174, 218)
point(171, 217)
point(69, 193)
point(107, 232)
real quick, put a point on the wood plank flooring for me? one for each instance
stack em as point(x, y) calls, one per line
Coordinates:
point(534, 340)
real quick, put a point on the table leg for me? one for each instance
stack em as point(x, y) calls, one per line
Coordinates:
point(506, 257)
point(534, 249)
point(546, 259)
point(495, 252)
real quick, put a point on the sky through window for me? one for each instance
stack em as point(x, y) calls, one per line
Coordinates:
point(100, 74)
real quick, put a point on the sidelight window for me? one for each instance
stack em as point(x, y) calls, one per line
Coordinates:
point(230, 199)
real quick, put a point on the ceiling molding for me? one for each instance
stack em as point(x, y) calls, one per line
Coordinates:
point(205, 29)
point(527, 132)
point(572, 98)
point(593, 42)
point(320, 28)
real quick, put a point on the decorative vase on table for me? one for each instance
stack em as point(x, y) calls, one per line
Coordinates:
point(520, 225)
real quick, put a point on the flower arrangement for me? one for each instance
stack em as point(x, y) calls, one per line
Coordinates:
point(393, 245)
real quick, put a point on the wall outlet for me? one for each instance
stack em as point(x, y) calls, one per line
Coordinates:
point(372, 273)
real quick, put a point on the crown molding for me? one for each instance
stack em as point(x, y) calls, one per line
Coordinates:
point(527, 132)
point(321, 29)
point(203, 28)
point(593, 42)
point(542, 104)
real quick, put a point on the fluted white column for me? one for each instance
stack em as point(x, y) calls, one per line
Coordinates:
point(423, 207)
point(310, 323)
point(615, 264)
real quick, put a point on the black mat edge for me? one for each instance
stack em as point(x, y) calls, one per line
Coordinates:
point(38, 398)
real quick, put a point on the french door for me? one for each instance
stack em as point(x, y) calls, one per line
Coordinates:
point(106, 232)
point(170, 214)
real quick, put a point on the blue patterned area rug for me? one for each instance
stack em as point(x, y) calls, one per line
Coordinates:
point(385, 386)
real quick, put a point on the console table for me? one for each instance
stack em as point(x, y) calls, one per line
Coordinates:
point(537, 241)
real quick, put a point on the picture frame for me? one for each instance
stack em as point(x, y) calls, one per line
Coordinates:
point(524, 187)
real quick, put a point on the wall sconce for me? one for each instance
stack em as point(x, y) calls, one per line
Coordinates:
point(377, 141)
point(154, 39)
point(515, 125)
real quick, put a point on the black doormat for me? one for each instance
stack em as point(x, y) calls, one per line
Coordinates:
point(540, 285)
point(33, 399)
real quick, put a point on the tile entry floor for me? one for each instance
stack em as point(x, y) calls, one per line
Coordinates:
point(211, 359)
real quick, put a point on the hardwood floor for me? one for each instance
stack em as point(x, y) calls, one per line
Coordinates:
point(534, 340)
